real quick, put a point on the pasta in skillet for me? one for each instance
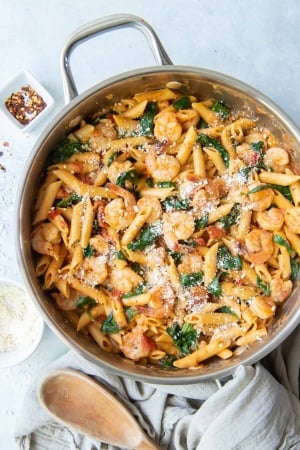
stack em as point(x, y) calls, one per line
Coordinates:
point(168, 229)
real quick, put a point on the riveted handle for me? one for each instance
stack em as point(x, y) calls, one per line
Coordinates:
point(99, 26)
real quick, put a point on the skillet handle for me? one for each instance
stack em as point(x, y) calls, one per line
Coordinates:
point(100, 26)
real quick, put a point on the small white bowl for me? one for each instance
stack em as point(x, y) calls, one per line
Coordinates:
point(21, 326)
point(22, 79)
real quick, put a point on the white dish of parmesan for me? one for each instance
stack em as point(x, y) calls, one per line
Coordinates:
point(21, 326)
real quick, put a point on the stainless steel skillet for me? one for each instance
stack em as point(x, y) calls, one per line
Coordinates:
point(190, 80)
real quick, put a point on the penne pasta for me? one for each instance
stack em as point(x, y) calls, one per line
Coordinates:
point(46, 202)
point(168, 231)
point(283, 179)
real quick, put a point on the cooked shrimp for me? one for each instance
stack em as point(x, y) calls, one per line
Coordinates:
point(93, 270)
point(136, 345)
point(277, 158)
point(206, 195)
point(118, 167)
point(45, 239)
point(156, 257)
point(154, 203)
point(262, 307)
point(271, 219)
point(280, 289)
point(177, 225)
point(100, 207)
point(99, 244)
point(198, 296)
point(161, 303)
point(188, 118)
point(167, 127)
point(191, 262)
point(259, 246)
point(162, 167)
point(103, 133)
point(245, 153)
point(120, 212)
point(125, 280)
point(292, 219)
point(66, 303)
point(261, 200)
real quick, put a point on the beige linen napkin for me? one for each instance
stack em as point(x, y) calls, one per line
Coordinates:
point(257, 408)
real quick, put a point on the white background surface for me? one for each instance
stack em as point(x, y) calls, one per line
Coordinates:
point(257, 41)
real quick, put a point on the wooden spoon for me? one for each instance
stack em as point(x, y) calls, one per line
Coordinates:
point(77, 401)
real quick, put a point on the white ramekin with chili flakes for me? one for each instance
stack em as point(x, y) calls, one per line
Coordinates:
point(25, 101)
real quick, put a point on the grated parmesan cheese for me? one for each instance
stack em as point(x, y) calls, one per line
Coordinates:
point(18, 319)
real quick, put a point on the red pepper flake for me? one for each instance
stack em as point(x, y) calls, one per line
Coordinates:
point(5, 144)
point(2, 168)
point(25, 104)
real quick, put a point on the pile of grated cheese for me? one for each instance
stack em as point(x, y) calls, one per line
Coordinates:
point(18, 319)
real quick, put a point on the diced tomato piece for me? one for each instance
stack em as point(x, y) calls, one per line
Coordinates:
point(53, 213)
point(62, 193)
point(254, 158)
point(200, 241)
point(215, 232)
point(100, 205)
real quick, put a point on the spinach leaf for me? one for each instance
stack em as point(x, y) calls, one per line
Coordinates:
point(259, 162)
point(71, 200)
point(167, 361)
point(214, 286)
point(165, 184)
point(146, 237)
point(96, 227)
point(128, 180)
point(284, 190)
point(232, 218)
point(226, 260)
point(185, 338)
point(88, 251)
point(225, 309)
point(130, 312)
point(258, 147)
point(245, 171)
point(177, 256)
point(182, 103)
point(85, 301)
point(66, 148)
point(112, 158)
point(202, 222)
point(191, 279)
point(207, 141)
point(149, 182)
point(137, 268)
point(221, 109)
point(264, 287)
point(173, 203)
point(295, 269)
point(279, 240)
point(202, 124)
point(109, 325)
point(189, 242)
point(137, 291)
point(121, 256)
point(147, 120)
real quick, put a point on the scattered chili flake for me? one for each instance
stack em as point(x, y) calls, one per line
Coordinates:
point(5, 144)
point(2, 168)
point(25, 104)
